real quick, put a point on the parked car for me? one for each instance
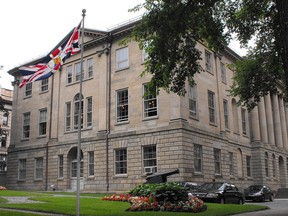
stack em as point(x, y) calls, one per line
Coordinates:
point(219, 192)
point(190, 186)
point(259, 193)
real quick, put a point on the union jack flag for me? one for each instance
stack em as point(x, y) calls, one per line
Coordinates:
point(52, 62)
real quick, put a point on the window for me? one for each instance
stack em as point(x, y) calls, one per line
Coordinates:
point(149, 103)
point(150, 159)
point(91, 163)
point(266, 165)
point(144, 55)
point(60, 166)
point(208, 61)
point(193, 101)
point(78, 104)
point(74, 169)
point(89, 112)
point(90, 67)
point(198, 158)
point(77, 71)
point(44, 85)
point(211, 107)
point(122, 58)
point(26, 125)
point(5, 119)
point(22, 169)
point(3, 162)
point(28, 89)
point(243, 115)
point(122, 105)
point(42, 122)
point(217, 161)
point(274, 165)
point(39, 168)
point(68, 116)
point(248, 165)
point(223, 72)
point(120, 161)
point(69, 74)
point(231, 167)
point(226, 114)
point(3, 138)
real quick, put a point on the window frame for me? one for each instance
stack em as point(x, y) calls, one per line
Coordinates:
point(44, 86)
point(91, 165)
point(122, 57)
point(120, 157)
point(148, 99)
point(76, 103)
point(217, 161)
point(22, 169)
point(69, 70)
point(28, 89)
point(248, 166)
point(42, 123)
point(223, 72)
point(39, 162)
point(243, 121)
point(193, 106)
point(149, 158)
point(68, 111)
point(212, 107)
point(26, 125)
point(226, 114)
point(89, 112)
point(61, 166)
point(198, 158)
point(231, 165)
point(90, 67)
point(208, 62)
point(122, 106)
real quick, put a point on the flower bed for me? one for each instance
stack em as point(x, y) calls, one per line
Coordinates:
point(149, 203)
point(3, 188)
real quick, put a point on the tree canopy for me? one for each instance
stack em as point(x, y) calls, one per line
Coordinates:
point(170, 29)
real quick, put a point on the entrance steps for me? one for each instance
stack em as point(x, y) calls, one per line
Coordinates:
point(282, 193)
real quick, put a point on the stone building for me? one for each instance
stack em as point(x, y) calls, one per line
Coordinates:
point(5, 125)
point(125, 135)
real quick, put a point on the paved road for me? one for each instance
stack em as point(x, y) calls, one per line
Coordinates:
point(279, 207)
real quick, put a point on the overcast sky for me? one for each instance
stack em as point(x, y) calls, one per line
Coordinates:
point(31, 28)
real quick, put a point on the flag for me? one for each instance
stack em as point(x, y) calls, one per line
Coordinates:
point(53, 61)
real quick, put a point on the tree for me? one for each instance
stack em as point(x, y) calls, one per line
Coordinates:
point(170, 29)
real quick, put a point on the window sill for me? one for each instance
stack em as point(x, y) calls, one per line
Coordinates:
point(41, 136)
point(121, 176)
point(121, 69)
point(150, 118)
point(194, 117)
point(121, 123)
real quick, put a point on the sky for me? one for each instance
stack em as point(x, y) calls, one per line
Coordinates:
point(31, 28)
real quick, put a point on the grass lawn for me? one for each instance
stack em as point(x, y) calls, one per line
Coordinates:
point(65, 203)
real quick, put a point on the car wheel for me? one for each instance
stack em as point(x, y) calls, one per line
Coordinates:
point(222, 201)
point(241, 201)
point(263, 198)
point(271, 198)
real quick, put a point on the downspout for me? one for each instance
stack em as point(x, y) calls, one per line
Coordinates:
point(108, 115)
point(49, 134)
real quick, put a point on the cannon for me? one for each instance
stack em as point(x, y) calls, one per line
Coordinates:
point(160, 177)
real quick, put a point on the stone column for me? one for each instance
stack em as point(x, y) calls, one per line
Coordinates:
point(269, 118)
point(262, 121)
point(254, 124)
point(283, 123)
point(277, 122)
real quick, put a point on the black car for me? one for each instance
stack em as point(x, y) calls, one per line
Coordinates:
point(259, 193)
point(219, 192)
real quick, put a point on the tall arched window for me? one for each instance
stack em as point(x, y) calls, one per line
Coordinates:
point(77, 104)
point(235, 116)
point(266, 164)
point(274, 165)
point(240, 163)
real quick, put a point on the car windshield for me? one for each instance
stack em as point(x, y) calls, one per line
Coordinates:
point(254, 188)
point(212, 186)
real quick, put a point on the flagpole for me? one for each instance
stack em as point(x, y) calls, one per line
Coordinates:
point(79, 121)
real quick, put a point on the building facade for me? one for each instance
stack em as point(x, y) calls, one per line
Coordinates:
point(126, 134)
point(5, 126)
